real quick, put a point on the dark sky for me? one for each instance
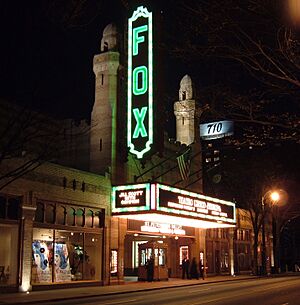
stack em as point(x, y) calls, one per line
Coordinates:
point(47, 52)
point(46, 56)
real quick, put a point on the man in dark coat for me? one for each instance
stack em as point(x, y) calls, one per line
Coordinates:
point(183, 267)
point(150, 269)
point(194, 269)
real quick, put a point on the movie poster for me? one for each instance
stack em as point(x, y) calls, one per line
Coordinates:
point(62, 264)
point(42, 253)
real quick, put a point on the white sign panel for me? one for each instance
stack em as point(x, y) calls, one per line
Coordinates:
point(215, 130)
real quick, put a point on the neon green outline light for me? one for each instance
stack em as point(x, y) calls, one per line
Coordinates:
point(116, 210)
point(140, 127)
point(138, 39)
point(195, 195)
point(144, 71)
point(140, 12)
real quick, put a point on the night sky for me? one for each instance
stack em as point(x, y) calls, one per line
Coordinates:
point(46, 60)
point(46, 56)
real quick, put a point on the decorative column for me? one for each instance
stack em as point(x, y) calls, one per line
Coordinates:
point(231, 253)
point(28, 213)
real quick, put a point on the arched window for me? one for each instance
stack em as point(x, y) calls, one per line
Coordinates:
point(50, 213)
point(105, 48)
point(97, 219)
point(80, 217)
point(61, 215)
point(39, 212)
point(89, 215)
point(71, 217)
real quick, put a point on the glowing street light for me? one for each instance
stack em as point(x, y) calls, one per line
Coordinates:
point(273, 196)
point(293, 10)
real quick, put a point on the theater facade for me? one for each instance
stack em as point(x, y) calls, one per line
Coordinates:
point(166, 223)
point(101, 216)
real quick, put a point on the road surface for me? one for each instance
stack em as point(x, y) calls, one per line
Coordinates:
point(263, 291)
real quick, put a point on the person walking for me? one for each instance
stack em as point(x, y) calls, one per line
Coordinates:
point(194, 269)
point(183, 267)
point(187, 269)
point(150, 269)
point(202, 270)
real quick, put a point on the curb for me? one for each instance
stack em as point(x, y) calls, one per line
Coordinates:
point(94, 295)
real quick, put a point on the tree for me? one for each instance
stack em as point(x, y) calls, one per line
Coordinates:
point(29, 139)
point(250, 41)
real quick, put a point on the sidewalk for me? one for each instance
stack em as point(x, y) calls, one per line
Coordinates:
point(36, 297)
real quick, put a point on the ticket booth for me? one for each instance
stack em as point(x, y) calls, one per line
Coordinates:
point(153, 258)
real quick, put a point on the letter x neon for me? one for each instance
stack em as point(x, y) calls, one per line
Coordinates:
point(140, 127)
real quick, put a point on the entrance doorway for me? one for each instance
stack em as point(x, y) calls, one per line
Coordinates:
point(177, 248)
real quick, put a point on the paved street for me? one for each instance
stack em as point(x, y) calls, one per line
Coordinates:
point(273, 291)
point(260, 291)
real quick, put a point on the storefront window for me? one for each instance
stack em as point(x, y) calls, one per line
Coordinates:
point(8, 254)
point(76, 253)
point(70, 254)
point(75, 256)
point(42, 256)
point(93, 250)
point(62, 268)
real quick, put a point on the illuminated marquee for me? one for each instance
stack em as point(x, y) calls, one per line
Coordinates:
point(158, 203)
point(131, 198)
point(181, 202)
point(140, 82)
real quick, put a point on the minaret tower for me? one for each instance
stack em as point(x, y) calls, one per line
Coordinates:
point(184, 110)
point(103, 119)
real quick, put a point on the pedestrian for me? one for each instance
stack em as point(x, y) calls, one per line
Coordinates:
point(202, 270)
point(194, 269)
point(187, 268)
point(183, 267)
point(150, 269)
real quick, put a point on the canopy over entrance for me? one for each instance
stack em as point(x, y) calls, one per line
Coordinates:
point(162, 203)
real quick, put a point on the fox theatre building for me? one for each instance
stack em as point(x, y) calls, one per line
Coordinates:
point(153, 225)
point(165, 224)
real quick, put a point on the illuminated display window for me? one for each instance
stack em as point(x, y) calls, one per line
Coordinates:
point(183, 253)
point(140, 82)
point(114, 262)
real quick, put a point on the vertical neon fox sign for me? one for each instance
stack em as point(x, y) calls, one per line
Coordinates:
point(140, 82)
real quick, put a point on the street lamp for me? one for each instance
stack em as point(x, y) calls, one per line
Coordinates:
point(273, 196)
point(293, 10)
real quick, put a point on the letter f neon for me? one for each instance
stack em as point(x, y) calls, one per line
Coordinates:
point(138, 39)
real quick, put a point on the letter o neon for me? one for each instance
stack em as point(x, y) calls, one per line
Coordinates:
point(135, 75)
